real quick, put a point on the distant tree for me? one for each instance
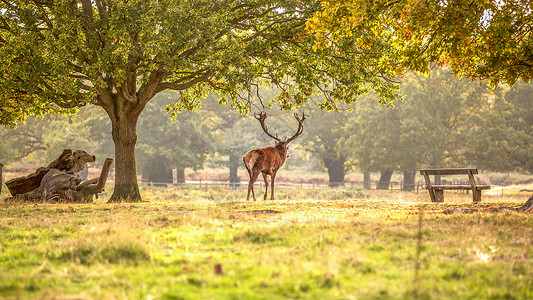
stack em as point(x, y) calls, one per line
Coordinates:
point(375, 130)
point(59, 55)
point(325, 136)
point(22, 141)
point(430, 128)
point(504, 137)
point(438, 114)
point(164, 144)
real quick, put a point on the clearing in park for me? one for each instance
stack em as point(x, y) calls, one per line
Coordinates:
point(342, 243)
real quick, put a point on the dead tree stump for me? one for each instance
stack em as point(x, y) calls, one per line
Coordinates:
point(58, 183)
point(68, 161)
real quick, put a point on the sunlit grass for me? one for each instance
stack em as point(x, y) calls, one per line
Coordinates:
point(209, 243)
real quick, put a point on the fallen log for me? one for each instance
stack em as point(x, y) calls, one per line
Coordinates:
point(69, 162)
point(60, 186)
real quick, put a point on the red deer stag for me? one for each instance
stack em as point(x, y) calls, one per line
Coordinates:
point(270, 159)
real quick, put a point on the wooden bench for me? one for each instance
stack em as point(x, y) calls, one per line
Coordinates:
point(436, 191)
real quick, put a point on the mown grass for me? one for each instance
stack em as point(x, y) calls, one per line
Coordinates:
point(210, 244)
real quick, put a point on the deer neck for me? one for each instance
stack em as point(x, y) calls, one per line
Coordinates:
point(282, 150)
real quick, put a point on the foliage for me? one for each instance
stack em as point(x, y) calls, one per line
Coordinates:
point(504, 138)
point(184, 141)
point(430, 128)
point(477, 39)
point(59, 55)
point(325, 136)
point(355, 247)
point(374, 135)
point(24, 141)
point(65, 54)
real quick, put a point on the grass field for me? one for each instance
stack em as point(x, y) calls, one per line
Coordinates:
point(310, 244)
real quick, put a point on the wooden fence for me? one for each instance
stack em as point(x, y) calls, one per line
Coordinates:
point(394, 185)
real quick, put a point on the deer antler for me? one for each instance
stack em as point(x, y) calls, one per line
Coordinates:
point(261, 117)
point(300, 127)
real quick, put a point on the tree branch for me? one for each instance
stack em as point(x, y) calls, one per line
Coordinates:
point(181, 85)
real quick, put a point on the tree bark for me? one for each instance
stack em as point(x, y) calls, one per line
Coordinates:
point(68, 161)
point(336, 170)
point(124, 133)
point(384, 180)
point(367, 184)
point(1, 178)
point(180, 174)
point(409, 180)
point(234, 163)
point(86, 190)
point(62, 186)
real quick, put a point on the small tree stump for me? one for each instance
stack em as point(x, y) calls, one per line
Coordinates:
point(60, 186)
point(68, 161)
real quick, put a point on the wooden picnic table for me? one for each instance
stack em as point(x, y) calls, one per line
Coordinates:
point(436, 191)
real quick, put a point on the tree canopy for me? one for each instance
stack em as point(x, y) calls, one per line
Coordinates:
point(477, 39)
point(58, 55)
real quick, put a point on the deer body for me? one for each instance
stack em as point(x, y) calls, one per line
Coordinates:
point(269, 160)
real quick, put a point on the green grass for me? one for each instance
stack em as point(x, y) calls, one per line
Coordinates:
point(209, 244)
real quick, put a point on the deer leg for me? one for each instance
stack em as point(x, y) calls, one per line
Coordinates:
point(272, 186)
point(265, 177)
point(253, 178)
point(249, 176)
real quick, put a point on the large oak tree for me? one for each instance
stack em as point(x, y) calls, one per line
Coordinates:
point(57, 55)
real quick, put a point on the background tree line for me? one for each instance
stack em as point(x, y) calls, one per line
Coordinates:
point(443, 122)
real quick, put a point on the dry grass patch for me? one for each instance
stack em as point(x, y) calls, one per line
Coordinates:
point(197, 244)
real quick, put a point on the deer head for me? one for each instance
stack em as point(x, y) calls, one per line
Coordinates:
point(279, 142)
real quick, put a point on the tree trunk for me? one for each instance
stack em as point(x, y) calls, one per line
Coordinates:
point(1, 181)
point(367, 184)
point(157, 172)
point(234, 163)
point(336, 170)
point(384, 180)
point(409, 180)
point(180, 174)
point(124, 133)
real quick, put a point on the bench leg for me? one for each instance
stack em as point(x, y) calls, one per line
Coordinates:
point(476, 195)
point(439, 196)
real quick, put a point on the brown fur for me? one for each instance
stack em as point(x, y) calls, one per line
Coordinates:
point(266, 161)
point(270, 159)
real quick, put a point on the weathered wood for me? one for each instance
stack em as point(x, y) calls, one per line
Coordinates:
point(72, 162)
point(459, 187)
point(439, 195)
point(63, 161)
point(68, 161)
point(429, 187)
point(528, 206)
point(25, 184)
point(436, 192)
point(60, 186)
point(448, 171)
point(85, 191)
